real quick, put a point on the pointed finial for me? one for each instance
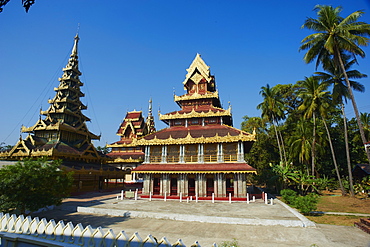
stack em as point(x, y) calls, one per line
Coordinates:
point(74, 49)
point(150, 107)
point(78, 29)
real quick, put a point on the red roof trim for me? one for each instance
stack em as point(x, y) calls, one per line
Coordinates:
point(196, 167)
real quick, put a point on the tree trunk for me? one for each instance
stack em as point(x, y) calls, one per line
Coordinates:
point(334, 158)
point(277, 137)
point(351, 191)
point(354, 104)
point(283, 147)
point(313, 147)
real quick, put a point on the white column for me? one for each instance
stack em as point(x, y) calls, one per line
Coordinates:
point(182, 153)
point(147, 154)
point(200, 153)
point(164, 154)
point(197, 178)
point(220, 155)
point(240, 152)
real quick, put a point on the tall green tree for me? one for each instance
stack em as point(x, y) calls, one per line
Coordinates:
point(300, 142)
point(33, 184)
point(314, 96)
point(365, 119)
point(335, 76)
point(316, 101)
point(272, 110)
point(334, 37)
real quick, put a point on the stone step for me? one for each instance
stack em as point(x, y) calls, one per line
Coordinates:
point(363, 227)
point(365, 221)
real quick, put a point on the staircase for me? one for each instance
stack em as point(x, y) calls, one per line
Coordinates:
point(364, 225)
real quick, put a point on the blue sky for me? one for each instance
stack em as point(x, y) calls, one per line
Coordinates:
point(131, 51)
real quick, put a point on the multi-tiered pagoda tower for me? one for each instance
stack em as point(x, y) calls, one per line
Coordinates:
point(126, 154)
point(63, 133)
point(200, 153)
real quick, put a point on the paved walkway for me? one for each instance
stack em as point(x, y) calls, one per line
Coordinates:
point(254, 224)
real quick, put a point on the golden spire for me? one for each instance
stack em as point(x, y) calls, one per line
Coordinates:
point(75, 46)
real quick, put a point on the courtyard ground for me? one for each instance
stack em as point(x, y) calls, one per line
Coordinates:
point(254, 224)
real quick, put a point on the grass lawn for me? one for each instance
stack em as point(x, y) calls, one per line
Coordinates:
point(334, 202)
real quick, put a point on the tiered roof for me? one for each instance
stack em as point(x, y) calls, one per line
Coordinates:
point(201, 119)
point(63, 132)
point(132, 127)
point(201, 99)
point(197, 134)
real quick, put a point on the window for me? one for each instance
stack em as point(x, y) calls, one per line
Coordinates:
point(155, 153)
point(191, 153)
point(210, 152)
point(173, 153)
point(178, 123)
point(230, 151)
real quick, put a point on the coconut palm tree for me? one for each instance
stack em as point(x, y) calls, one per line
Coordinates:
point(335, 77)
point(312, 94)
point(365, 119)
point(334, 37)
point(316, 102)
point(272, 110)
point(300, 142)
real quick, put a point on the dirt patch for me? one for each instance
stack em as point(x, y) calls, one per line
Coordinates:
point(341, 220)
point(338, 203)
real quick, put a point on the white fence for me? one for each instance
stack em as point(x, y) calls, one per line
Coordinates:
point(20, 231)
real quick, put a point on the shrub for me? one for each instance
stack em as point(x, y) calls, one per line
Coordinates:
point(288, 196)
point(233, 243)
point(306, 204)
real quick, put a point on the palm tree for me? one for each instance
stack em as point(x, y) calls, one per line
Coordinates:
point(336, 36)
point(300, 144)
point(311, 93)
point(340, 93)
point(316, 101)
point(365, 119)
point(251, 124)
point(272, 110)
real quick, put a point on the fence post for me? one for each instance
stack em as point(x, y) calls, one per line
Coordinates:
point(266, 198)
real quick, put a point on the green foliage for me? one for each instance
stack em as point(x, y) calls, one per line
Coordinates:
point(288, 196)
point(4, 147)
point(325, 183)
point(232, 243)
point(103, 150)
point(33, 184)
point(306, 204)
point(363, 187)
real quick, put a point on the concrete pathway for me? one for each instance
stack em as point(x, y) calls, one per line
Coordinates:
point(254, 224)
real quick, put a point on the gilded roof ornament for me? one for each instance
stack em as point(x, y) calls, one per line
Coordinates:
point(201, 66)
point(194, 114)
